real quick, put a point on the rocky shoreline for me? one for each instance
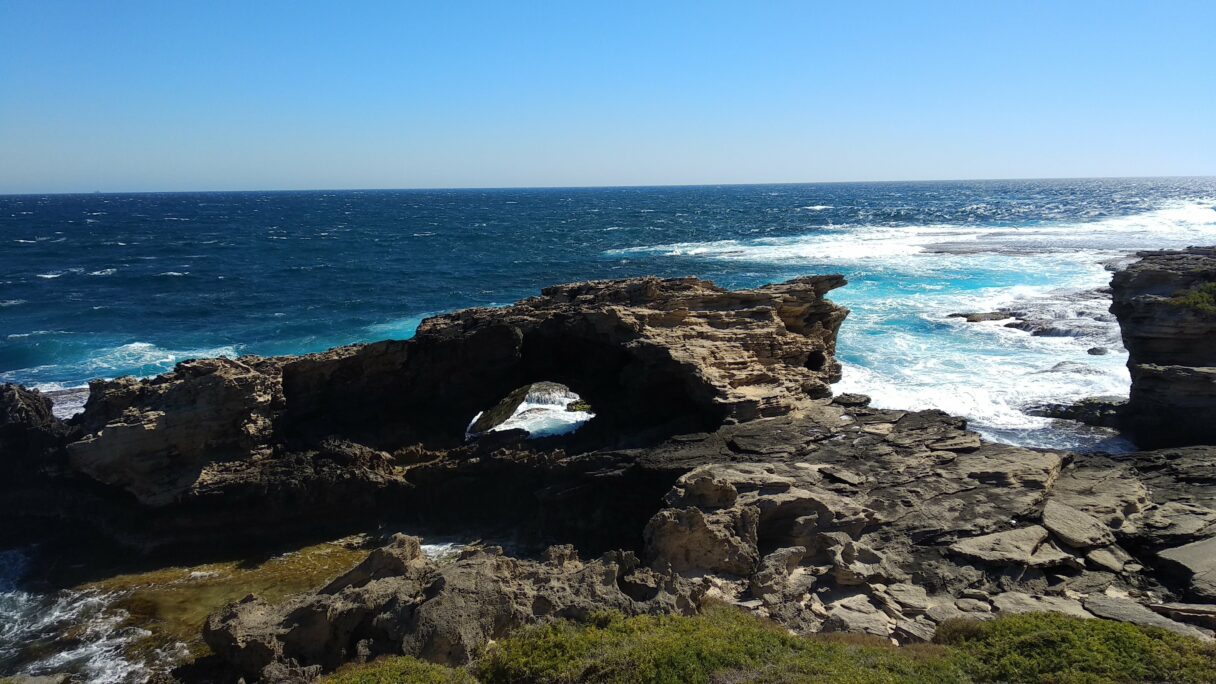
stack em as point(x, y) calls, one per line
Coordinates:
point(717, 466)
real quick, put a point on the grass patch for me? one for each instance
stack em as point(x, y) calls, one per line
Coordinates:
point(724, 645)
point(1057, 649)
point(1201, 298)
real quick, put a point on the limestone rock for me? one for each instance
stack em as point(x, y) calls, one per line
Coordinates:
point(442, 613)
point(1196, 562)
point(1170, 354)
point(690, 541)
point(30, 434)
point(154, 438)
point(1016, 546)
point(857, 614)
point(1013, 602)
point(1126, 610)
point(1110, 558)
point(1075, 528)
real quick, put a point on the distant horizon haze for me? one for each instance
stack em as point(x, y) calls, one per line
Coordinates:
point(508, 188)
point(144, 96)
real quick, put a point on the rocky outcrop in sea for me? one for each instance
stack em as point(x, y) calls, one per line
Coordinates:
point(717, 466)
point(1166, 306)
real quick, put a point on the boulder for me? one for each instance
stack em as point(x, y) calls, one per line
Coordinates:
point(690, 541)
point(1126, 610)
point(1195, 563)
point(1075, 528)
point(443, 613)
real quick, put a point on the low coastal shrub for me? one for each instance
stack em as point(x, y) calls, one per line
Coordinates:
point(399, 670)
point(1057, 649)
point(724, 645)
point(1199, 298)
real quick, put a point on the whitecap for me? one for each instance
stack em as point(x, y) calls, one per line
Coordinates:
point(900, 346)
point(174, 274)
point(11, 302)
point(104, 272)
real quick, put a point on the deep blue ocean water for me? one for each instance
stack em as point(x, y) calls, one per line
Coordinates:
point(103, 285)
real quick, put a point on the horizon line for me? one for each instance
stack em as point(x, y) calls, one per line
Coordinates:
point(595, 187)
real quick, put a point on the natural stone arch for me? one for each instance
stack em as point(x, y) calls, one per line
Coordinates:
point(654, 357)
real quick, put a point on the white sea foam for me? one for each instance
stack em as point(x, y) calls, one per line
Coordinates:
point(104, 272)
point(89, 634)
point(11, 302)
point(900, 345)
point(543, 414)
point(136, 358)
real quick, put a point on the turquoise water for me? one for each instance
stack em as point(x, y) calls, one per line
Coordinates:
point(106, 285)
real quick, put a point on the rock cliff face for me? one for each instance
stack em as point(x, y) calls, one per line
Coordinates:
point(882, 522)
point(718, 466)
point(1166, 306)
point(342, 434)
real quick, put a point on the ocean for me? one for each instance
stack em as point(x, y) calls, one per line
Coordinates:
point(105, 285)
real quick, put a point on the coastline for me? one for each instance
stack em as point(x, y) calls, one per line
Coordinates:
point(767, 487)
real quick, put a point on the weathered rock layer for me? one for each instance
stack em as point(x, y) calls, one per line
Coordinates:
point(1166, 306)
point(717, 466)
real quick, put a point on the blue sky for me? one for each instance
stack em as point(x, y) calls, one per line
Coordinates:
point(189, 95)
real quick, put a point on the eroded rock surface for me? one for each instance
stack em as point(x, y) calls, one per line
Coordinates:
point(1163, 305)
point(249, 446)
point(717, 467)
point(400, 602)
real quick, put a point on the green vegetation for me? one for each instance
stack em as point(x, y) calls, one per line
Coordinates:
point(579, 405)
point(1200, 298)
point(399, 671)
point(726, 646)
point(1057, 649)
point(172, 603)
point(721, 644)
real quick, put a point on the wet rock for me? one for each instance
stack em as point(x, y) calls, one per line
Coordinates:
point(1098, 411)
point(1097, 351)
point(851, 400)
point(500, 412)
point(981, 317)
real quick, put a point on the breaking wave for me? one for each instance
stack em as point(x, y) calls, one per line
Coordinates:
point(901, 346)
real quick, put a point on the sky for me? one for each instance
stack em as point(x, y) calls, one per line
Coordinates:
point(216, 95)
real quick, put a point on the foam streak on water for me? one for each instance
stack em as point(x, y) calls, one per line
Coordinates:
point(901, 346)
